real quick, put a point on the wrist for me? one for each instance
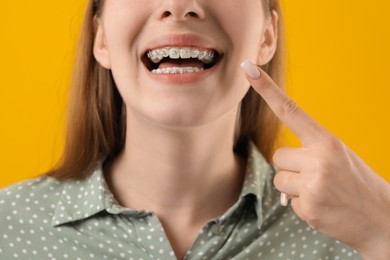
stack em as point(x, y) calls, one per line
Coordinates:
point(378, 251)
point(377, 243)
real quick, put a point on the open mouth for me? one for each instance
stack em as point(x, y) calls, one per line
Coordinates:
point(180, 60)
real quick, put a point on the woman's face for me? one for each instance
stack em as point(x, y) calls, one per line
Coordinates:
point(176, 63)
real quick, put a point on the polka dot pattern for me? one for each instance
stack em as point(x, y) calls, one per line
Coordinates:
point(47, 219)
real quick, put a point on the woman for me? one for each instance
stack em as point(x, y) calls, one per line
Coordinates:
point(169, 148)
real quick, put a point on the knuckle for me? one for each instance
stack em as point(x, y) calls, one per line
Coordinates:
point(278, 180)
point(321, 165)
point(268, 85)
point(276, 157)
point(332, 143)
point(309, 211)
point(266, 88)
point(317, 185)
point(289, 108)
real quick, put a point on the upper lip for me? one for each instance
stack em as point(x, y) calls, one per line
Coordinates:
point(178, 40)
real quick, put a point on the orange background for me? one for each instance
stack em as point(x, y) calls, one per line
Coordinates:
point(338, 69)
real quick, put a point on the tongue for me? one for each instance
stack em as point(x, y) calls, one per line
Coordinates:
point(181, 63)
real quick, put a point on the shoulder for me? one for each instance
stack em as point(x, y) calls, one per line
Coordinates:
point(29, 199)
point(33, 188)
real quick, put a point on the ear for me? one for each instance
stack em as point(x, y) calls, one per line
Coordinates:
point(100, 50)
point(270, 39)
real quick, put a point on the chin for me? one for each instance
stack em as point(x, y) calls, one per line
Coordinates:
point(173, 117)
point(179, 116)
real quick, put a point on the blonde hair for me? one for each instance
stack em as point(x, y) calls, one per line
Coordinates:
point(96, 127)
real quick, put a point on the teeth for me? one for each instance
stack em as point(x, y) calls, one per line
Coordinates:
point(165, 52)
point(185, 53)
point(205, 56)
point(155, 56)
point(174, 53)
point(195, 53)
point(202, 55)
point(176, 70)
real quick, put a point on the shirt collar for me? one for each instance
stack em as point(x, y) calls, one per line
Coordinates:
point(258, 183)
point(82, 199)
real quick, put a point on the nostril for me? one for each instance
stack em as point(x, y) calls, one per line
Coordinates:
point(193, 14)
point(180, 14)
point(166, 14)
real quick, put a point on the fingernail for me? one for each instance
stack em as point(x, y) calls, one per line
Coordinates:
point(250, 69)
point(283, 199)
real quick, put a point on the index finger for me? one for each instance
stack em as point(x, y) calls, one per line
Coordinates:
point(299, 122)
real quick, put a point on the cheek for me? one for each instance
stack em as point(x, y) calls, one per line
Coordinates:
point(244, 21)
point(122, 43)
point(123, 22)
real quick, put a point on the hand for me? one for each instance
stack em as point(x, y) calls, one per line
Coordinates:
point(330, 187)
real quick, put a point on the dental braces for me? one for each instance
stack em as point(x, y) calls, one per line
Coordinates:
point(176, 70)
point(205, 56)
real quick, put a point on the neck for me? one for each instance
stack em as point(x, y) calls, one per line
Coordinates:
point(187, 169)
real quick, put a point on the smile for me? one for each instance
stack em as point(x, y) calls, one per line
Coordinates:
point(180, 60)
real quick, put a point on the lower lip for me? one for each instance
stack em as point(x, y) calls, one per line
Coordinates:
point(183, 78)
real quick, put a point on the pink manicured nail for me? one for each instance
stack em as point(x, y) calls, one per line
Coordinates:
point(283, 199)
point(250, 69)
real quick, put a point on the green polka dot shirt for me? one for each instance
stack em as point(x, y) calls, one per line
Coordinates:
point(43, 218)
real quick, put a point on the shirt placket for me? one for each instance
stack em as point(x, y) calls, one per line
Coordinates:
point(152, 237)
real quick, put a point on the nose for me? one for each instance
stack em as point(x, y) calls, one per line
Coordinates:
point(181, 10)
